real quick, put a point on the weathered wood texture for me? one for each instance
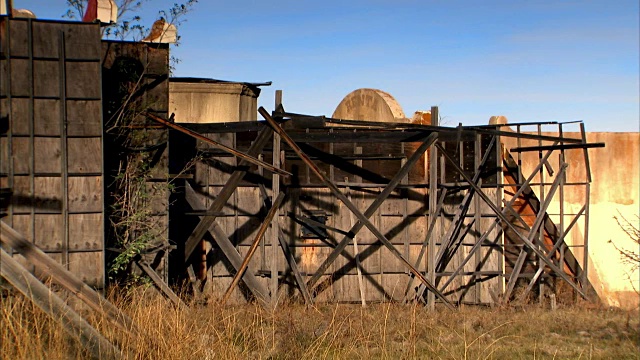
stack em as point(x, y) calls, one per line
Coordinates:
point(403, 218)
point(51, 141)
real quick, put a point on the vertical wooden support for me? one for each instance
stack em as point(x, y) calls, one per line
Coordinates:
point(584, 277)
point(356, 252)
point(63, 149)
point(275, 226)
point(54, 306)
point(477, 215)
point(541, 286)
point(433, 189)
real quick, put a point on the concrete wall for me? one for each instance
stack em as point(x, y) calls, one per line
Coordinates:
point(614, 194)
point(202, 101)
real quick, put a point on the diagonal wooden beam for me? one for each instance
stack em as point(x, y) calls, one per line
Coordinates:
point(228, 249)
point(225, 193)
point(340, 196)
point(246, 157)
point(160, 284)
point(245, 263)
point(505, 221)
point(54, 306)
point(507, 207)
point(64, 278)
point(533, 232)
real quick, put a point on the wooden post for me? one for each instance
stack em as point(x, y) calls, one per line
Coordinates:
point(50, 303)
point(275, 225)
point(356, 252)
point(433, 189)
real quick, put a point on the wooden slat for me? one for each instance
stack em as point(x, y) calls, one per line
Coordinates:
point(160, 284)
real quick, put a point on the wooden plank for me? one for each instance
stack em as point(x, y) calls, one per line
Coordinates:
point(557, 147)
point(85, 194)
point(245, 263)
point(84, 155)
point(157, 281)
point(63, 277)
point(45, 299)
point(227, 248)
point(361, 217)
point(225, 193)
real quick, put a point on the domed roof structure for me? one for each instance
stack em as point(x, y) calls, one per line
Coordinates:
point(371, 105)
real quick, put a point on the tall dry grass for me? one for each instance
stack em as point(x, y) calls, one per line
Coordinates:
point(330, 331)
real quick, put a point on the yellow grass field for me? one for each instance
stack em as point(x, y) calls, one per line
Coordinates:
point(332, 331)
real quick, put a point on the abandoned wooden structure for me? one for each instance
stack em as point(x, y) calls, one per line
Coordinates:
point(374, 212)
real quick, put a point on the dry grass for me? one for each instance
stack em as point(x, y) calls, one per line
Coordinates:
point(382, 331)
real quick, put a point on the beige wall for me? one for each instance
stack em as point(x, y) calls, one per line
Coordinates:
point(614, 193)
point(212, 102)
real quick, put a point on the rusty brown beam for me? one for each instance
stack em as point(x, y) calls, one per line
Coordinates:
point(218, 145)
point(361, 217)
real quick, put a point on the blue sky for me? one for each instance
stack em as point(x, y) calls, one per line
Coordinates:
point(527, 60)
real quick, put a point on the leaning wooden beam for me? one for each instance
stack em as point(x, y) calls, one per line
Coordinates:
point(462, 210)
point(246, 157)
point(340, 196)
point(515, 273)
point(228, 249)
point(225, 193)
point(63, 277)
point(157, 281)
point(50, 303)
point(505, 221)
point(245, 263)
point(291, 260)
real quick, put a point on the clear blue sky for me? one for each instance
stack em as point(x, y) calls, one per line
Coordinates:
point(528, 60)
